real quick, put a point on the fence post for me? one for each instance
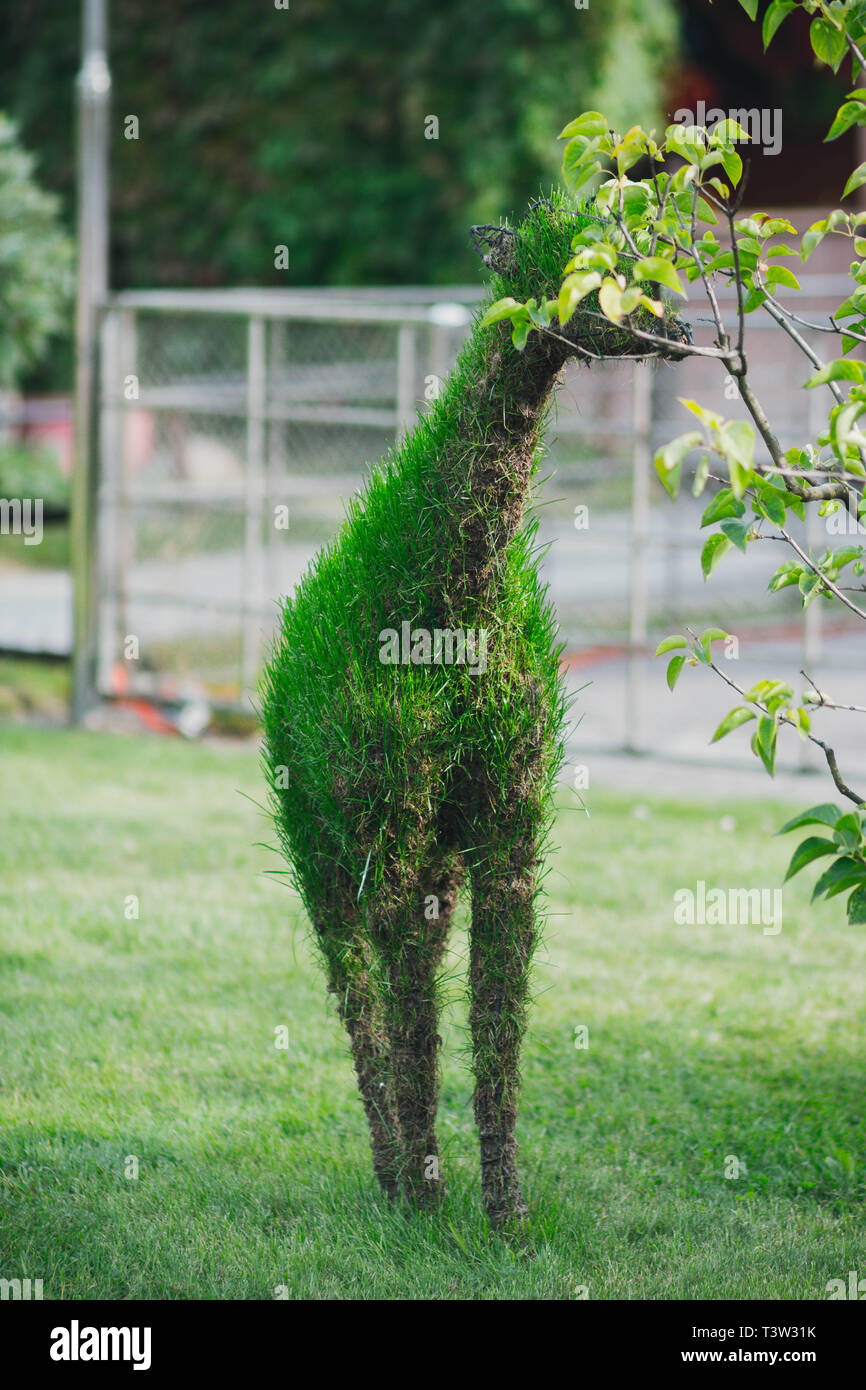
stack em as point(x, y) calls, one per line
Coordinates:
point(93, 84)
point(277, 452)
point(406, 403)
point(253, 599)
point(637, 637)
point(108, 520)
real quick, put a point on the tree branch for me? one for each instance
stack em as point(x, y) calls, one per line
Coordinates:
point(828, 752)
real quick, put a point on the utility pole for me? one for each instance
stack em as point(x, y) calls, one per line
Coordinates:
point(93, 87)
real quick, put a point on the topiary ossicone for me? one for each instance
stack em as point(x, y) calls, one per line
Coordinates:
point(413, 715)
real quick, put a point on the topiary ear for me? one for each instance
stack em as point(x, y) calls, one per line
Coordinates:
point(495, 246)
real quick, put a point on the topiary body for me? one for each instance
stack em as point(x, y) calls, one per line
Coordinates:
point(392, 782)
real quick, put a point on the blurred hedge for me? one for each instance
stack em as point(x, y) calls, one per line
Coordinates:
point(305, 126)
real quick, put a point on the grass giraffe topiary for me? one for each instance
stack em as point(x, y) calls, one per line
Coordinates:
point(392, 781)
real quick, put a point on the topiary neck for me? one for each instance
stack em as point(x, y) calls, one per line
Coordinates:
point(490, 424)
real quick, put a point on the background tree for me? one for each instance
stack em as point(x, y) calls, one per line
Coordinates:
point(308, 127)
point(35, 261)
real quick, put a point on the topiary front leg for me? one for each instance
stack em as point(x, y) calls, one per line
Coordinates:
point(412, 937)
point(364, 1022)
point(351, 978)
point(412, 1013)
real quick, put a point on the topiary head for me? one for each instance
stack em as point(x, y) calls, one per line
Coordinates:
point(528, 263)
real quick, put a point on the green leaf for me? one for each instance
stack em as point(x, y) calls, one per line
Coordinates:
point(688, 142)
point(610, 300)
point(575, 288)
point(502, 309)
point(668, 460)
point(723, 504)
point(669, 477)
point(849, 113)
point(736, 531)
point(714, 548)
point(739, 439)
point(579, 167)
point(766, 690)
point(733, 167)
point(778, 11)
point(847, 831)
point(751, 8)
point(750, 245)
point(857, 179)
point(813, 848)
point(669, 643)
point(658, 269)
point(844, 556)
point(825, 814)
point(772, 505)
point(713, 634)
point(827, 42)
point(726, 130)
point(733, 720)
point(723, 261)
point(702, 473)
point(631, 299)
point(812, 238)
point(598, 254)
point(588, 123)
point(810, 586)
point(841, 369)
point(754, 299)
point(675, 666)
point(766, 752)
point(842, 873)
point(781, 275)
point(857, 907)
point(709, 418)
point(844, 882)
point(795, 504)
point(520, 334)
point(765, 741)
point(786, 574)
point(749, 227)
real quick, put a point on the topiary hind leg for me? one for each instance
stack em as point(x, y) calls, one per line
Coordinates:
point(502, 940)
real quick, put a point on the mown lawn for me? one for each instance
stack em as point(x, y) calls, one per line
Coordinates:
point(153, 1039)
